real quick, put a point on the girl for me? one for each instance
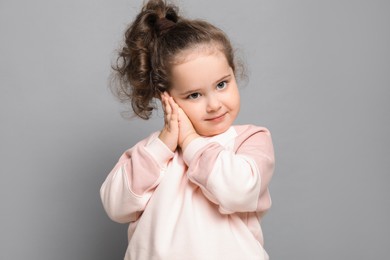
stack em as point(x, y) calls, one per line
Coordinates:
point(198, 188)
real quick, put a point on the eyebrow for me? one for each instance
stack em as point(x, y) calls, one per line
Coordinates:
point(197, 90)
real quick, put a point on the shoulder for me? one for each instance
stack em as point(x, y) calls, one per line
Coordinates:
point(248, 130)
point(146, 141)
point(252, 136)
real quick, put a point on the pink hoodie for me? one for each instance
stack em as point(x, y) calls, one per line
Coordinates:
point(204, 203)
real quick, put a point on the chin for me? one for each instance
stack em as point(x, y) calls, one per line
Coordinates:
point(212, 132)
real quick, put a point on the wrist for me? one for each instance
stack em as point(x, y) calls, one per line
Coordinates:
point(167, 140)
point(188, 139)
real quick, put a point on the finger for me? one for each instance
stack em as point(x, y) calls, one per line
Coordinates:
point(182, 114)
point(164, 105)
point(168, 114)
point(168, 96)
point(163, 102)
point(168, 109)
point(174, 102)
point(173, 118)
point(174, 108)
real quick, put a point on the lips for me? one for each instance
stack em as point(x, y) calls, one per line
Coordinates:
point(216, 118)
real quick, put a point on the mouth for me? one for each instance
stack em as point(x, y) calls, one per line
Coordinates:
point(216, 118)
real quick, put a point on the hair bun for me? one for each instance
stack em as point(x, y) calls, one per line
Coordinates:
point(161, 16)
point(164, 24)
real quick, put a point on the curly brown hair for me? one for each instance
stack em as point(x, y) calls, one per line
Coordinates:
point(153, 44)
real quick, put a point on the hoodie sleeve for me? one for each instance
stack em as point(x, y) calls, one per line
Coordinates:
point(235, 179)
point(129, 186)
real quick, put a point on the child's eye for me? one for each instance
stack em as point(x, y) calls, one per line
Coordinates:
point(222, 85)
point(194, 96)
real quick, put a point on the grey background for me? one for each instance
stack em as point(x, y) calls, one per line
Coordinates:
point(319, 76)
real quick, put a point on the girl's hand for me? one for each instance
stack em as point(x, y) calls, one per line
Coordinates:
point(170, 133)
point(187, 132)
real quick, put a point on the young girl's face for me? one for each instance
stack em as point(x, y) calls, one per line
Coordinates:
point(204, 86)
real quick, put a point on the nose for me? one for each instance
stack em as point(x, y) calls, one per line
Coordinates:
point(213, 104)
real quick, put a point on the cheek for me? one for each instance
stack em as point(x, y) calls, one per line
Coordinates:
point(235, 100)
point(191, 111)
point(238, 103)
